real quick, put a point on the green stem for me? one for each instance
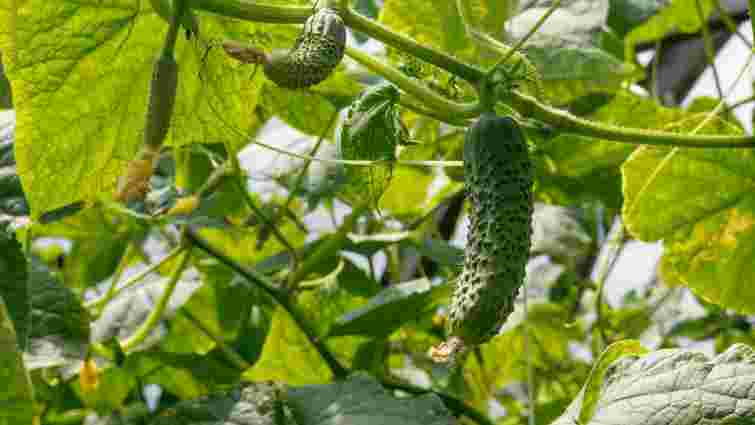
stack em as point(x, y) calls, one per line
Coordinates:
point(98, 303)
point(439, 104)
point(338, 370)
point(156, 315)
point(568, 123)
point(112, 290)
point(710, 51)
point(530, 33)
point(266, 221)
point(614, 243)
point(252, 11)
point(401, 42)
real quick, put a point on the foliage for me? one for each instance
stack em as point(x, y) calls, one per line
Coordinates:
point(310, 291)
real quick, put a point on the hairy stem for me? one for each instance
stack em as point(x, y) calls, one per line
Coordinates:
point(568, 123)
point(439, 104)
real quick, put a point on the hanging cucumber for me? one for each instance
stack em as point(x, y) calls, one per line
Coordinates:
point(316, 52)
point(498, 181)
point(162, 95)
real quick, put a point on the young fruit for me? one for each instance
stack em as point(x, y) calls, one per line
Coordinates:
point(498, 180)
point(162, 96)
point(316, 53)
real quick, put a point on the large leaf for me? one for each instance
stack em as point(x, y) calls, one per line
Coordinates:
point(288, 356)
point(573, 168)
point(361, 400)
point(699, 201)
point(16, 399)
point(571, 72)
point(90, 67)
point(681, 16)
point(250, 403)
point(677, 387)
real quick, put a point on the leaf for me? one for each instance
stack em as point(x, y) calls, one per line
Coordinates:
point(673, 386)
point(624, 15)
point(184, 375)
point(568, 73)
point(390, 309)
point(249, 403)
point(344, 290)
point(699, 201)
point(17, 399)
point(680, 16)
point(361, 400)
point(371, 132)
point(571, 24)
point(592, 388)
point(55, 309)
point(288, 356)
point(91, 68)
point(14, 288)
point(573, 169)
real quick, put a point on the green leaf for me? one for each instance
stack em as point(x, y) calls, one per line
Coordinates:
point(91, 68)
point(624, 15)
point(681, 16)
point(686, 386)
point(568, 73)
point(17, 399)
point(14, 288)
point(371, 132)
point(344, 290)
point(288, 356)
point(361, 400)
point(573, 169)
point(592, 389)
point(249, 403)
point(55, 309)
point(390, 309)
point(186, 376)
point(699, 201)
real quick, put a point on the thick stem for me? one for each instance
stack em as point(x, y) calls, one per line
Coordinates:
point(439, 104)
point(252, 11)
point(568, 123)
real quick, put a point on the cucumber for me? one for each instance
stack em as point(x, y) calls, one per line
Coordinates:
point(498, 177)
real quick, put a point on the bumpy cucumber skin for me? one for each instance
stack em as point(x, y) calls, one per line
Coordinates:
point(162, 97)
point(317, 52)
point(498, 180)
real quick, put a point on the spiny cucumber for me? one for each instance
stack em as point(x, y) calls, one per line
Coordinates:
point(498, 180)
point(316, 52)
